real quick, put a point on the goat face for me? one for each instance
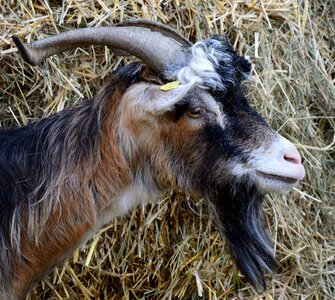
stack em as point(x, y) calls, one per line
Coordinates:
point(203, 138)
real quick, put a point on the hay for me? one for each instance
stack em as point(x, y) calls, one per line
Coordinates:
point(170, 249)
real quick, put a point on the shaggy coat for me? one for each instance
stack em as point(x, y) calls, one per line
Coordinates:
point(65, 176)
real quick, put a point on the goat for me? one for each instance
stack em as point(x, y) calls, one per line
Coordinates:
point(65, 176)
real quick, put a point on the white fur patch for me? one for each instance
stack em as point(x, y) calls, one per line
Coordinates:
point(138, 192)
point(204, 58)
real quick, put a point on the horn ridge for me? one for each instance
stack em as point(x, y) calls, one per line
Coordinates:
point(152, 47)
point(156, 26)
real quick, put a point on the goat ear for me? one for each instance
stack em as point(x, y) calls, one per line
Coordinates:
point(163, 101)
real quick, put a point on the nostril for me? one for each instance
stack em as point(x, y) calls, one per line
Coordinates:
point(293, 157)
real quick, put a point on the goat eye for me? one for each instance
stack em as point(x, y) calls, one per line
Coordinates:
point(196, 112)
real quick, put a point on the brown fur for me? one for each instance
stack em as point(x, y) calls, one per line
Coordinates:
point(75, 213)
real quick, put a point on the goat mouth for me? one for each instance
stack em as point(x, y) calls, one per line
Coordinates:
point(288, 180)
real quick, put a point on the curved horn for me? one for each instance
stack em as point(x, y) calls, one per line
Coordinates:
point(156, 26)
point(152, 47)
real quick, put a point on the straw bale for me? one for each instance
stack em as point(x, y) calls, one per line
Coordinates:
point(170, 249)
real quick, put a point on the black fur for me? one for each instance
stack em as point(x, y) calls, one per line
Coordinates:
point(237, 207)
point(234, 71)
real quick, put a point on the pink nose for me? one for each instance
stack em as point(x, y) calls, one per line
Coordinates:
point(292, 155)
point(289, 163)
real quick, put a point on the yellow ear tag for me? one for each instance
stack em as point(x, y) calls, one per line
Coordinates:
point(170, 86)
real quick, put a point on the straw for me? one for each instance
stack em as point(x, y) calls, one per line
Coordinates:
point(170, 249)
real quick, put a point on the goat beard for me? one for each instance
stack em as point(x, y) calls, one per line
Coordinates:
point(237, 209)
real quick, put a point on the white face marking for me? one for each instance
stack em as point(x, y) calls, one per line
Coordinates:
point(269, 168)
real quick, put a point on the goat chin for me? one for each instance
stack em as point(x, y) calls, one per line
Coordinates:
point(237, 209)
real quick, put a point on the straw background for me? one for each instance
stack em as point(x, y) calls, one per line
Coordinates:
point(170, 249)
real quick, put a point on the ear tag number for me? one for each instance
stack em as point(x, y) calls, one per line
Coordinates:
point(170, 86)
